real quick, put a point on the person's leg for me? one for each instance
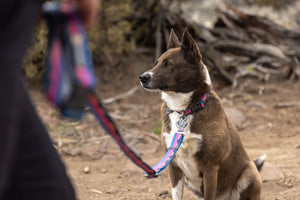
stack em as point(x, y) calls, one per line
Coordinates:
point(30, 167)
point(17, 20)
point(38, 172)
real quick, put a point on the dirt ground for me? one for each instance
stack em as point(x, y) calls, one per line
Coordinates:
point(99, 170)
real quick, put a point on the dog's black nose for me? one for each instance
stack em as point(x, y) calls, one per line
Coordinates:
point(144, 78)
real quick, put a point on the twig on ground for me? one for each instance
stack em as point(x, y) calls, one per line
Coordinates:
point(287, 104)
point(152, 136)
point(96, 191)
point(121, 96)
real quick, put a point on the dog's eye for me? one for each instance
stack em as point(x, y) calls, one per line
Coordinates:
point(167, 64)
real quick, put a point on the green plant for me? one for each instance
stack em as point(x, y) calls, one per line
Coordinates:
point(34, 61)
point(157, 128)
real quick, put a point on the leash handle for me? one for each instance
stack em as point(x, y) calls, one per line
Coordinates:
point(70, 80)
point(69, 68)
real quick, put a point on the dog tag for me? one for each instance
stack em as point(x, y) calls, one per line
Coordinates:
point(181, 123)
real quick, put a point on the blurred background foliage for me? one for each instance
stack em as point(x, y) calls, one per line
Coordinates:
point(122, 28)
point(34, 61)
point(278, 4)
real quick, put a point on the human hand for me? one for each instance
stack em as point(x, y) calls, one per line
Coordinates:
point(88, 10)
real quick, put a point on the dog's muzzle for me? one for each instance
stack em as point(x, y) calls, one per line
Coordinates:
point(145, 79)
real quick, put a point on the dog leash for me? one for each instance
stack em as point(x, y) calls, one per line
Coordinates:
point(69, 78)
point(70, 81)
point(108, 124)
point(179, 135)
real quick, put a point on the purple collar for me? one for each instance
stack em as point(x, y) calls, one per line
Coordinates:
point(195, 108)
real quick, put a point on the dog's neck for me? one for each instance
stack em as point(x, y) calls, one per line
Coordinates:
point(177, 101)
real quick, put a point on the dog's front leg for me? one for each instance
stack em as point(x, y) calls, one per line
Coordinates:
point(210, 177)
point(176, 176)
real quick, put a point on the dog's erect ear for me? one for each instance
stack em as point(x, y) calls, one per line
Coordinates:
point(189, 48)
point(173, 40)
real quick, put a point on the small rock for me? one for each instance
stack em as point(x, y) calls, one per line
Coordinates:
point(112, 190)
point(86, 170)
point(104, 171)
point(119, 176)
point(71, 152)
point(163, 194)
point(236, 116)
point(288, 184)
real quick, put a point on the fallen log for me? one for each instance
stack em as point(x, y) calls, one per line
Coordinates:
point(237, 42)
point(249, 40)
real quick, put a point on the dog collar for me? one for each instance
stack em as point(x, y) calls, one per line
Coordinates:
point(195, 108)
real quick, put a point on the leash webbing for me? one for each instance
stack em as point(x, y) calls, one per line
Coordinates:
point(172, 150)
point(108, 124)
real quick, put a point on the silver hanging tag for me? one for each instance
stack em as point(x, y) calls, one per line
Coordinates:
point(181, 123)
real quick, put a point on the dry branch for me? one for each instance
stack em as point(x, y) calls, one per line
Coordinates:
point(237, 42)
point(121, 96)
point(287, 104)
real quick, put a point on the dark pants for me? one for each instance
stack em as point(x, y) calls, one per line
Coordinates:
point(30, 167)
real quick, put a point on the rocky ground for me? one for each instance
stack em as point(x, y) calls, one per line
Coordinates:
point(267, 116)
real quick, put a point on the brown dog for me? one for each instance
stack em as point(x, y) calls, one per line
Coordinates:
point(211, 160)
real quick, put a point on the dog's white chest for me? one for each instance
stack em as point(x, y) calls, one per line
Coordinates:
point(191, 144)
